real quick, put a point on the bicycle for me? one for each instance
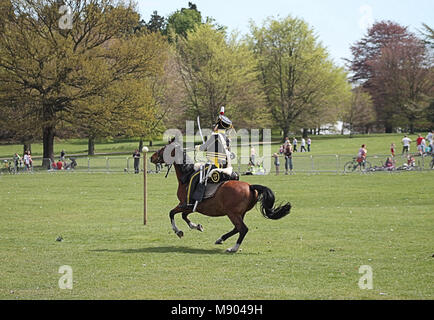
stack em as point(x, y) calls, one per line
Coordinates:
point(351, 166)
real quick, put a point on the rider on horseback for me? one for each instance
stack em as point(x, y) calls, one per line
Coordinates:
point(219, 156)
point(217, 146)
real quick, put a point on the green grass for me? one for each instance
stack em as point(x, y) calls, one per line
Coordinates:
point(337, 224)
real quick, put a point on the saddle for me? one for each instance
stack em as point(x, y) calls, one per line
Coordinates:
point(199, 191)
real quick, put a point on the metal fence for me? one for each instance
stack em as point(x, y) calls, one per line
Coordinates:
point(303, 163)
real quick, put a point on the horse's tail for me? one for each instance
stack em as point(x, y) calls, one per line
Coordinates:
point(266, 197)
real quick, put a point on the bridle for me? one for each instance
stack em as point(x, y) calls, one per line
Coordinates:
point(160, 156)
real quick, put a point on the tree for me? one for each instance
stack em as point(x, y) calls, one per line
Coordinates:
point(366, 53)
point(359, 113)
point(156, 23)
point(296, 73)
point(218, 72)
point(182, 21)
point(57, 69)
point(404, 79)
point(428, 35)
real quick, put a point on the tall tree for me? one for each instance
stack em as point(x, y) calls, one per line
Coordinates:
point(359, 113)
point(428, 34)
point(365, 54)
point(57, 68)
point(216, 72)
point(156, 23)
point(182, 21)
point(403, 77)
point(296, 72)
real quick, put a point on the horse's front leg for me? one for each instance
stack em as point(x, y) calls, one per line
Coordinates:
point(175, 229)
point(191, 224)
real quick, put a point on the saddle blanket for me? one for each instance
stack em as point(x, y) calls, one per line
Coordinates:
point(211, 189)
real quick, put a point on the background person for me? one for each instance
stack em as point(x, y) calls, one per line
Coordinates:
point(361, 156)
point(59, 165)
point(294, 142)
point(17, 160)
point(303, 145)
point(429, 138)
point(288, 159)
point(419, 141)
point(26, 159)
point(136, 157)
point(406, 141)
point(252, 156)
point(276, 163)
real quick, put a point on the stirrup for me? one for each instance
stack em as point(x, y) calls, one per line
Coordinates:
point(195, 205)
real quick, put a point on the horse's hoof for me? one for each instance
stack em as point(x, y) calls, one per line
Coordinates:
point(180, 234)
point(233, 249)
point(200, 227)
point(219, 241)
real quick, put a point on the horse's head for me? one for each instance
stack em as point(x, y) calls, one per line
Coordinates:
point(157, 157)
point(169, 154)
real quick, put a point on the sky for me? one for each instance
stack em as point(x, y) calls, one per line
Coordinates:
point(337, 23)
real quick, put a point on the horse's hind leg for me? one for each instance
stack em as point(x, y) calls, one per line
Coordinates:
point(172, 213)
point(226, 236)
point(241, 227)
point(191, 224)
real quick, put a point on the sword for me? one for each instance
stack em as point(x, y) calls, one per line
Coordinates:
point(200, 130)
point(200, 181)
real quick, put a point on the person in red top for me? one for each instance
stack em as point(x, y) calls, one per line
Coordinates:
point(419, 143)
point(392, 149)
point(59, 165)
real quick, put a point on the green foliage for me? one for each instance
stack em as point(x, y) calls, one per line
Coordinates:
point(182, 21)
point(359, 113)
point(297, 75)
point(56, 71)
point(217, 72)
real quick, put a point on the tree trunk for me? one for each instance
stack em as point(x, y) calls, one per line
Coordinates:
point(27, 146)
point(140, 144)
point(411, 126)
point(388, 128)
point(285, 133)
point(48, 146)
point(91, 146)
point(305, 133)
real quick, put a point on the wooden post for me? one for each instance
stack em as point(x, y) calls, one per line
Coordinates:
point(145, 152)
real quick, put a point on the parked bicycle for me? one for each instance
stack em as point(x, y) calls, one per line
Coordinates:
point(352, 166)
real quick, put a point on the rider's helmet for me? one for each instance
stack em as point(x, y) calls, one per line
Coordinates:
point(223, 122)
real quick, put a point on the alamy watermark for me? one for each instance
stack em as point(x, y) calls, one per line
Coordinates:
point(366, 281)
point(66, 20)
point(66, 280)
point(241, 143)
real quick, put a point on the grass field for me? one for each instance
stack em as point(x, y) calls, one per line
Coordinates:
point(338, 223)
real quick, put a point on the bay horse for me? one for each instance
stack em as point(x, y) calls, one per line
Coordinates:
point(233, 198)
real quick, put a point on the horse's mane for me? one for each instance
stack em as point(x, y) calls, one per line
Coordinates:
point(186, 165)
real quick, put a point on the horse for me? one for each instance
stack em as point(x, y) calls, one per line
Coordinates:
point(233, 198)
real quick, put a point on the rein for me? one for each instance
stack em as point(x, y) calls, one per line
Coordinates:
point(168, 170)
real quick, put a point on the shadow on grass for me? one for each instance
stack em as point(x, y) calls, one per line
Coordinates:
point(174, 249)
